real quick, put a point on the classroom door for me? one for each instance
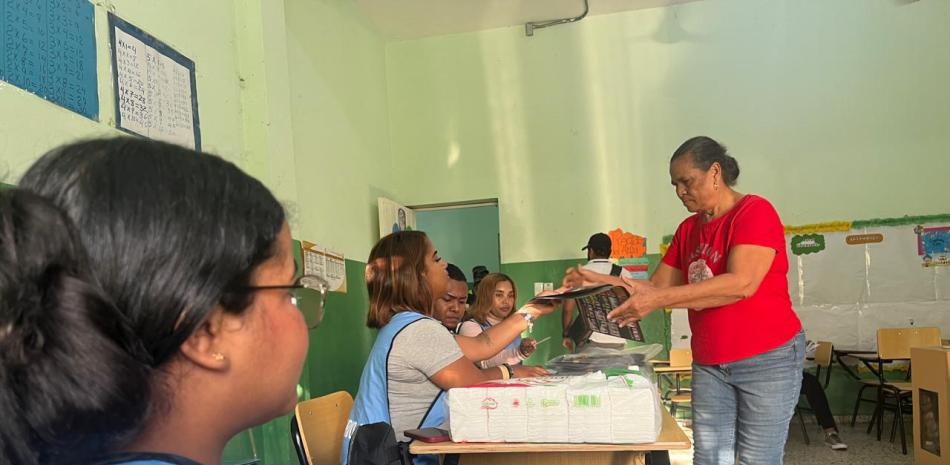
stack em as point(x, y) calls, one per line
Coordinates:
point(465, 235)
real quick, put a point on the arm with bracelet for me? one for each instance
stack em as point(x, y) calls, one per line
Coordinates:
point(489, 344)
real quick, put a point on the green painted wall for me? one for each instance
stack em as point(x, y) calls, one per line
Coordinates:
point(338, 91)
point(464, 236)
point(835, 110)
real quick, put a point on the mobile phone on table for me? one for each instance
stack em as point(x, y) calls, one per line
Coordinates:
point(428, 434)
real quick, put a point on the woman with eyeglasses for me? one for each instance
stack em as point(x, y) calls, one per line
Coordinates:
point(146, 307)
point(414, 360)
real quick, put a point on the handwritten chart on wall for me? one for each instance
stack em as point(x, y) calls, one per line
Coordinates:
point(49, 48)
point(155, 87)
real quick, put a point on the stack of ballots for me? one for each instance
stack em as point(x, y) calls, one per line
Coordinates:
point(621, 409)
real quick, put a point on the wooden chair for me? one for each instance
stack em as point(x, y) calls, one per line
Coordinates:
point(680, 358)
point(822, 360)
point(317, 428)
point(895, 344)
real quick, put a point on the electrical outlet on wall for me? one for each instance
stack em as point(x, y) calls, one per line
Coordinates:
point(538, 288)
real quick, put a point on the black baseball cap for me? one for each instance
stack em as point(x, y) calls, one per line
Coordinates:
point(599, 242)
point(479, 272)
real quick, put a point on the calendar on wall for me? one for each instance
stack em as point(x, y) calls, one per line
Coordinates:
point(325, 263)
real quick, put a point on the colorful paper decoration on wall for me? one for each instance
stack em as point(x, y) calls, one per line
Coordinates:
point(626, 245)
point(665, 243)
point(638, 267)
point(858, 239)
point(831, 226)
point(808, 243)
point(933, 245)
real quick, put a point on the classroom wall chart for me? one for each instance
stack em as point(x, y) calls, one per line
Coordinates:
point(156, 95)
point(49, 49)
point(869, 278)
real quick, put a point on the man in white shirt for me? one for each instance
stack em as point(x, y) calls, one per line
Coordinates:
point(598, 260)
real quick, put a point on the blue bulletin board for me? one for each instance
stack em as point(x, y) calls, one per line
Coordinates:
point(49, 48)
point(155, 87)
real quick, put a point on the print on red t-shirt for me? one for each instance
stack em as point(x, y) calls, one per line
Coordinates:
point(757, 324)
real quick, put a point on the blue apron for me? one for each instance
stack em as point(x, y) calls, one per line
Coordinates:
point(372, 400)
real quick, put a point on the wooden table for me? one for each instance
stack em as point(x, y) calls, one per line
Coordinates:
point(672, 370)
point(671, 437)
point(841, 352)
point(872, 359)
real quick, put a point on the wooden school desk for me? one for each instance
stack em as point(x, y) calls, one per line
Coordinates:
point(671, 437)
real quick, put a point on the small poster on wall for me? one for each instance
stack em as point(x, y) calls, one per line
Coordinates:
point(807, 243)
point(638, 268)
point(933, 245)
point(394, 217)
point(48, 48)
point(155, 92)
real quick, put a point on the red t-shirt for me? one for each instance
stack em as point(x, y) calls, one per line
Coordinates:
point(750, 326)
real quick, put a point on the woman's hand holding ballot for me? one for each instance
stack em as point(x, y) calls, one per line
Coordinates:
point(643, 294)
point(539, 308)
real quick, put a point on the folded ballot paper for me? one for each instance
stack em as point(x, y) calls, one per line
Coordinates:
point(593, 408)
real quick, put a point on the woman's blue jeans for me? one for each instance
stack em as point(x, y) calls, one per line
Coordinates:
point(741, 409)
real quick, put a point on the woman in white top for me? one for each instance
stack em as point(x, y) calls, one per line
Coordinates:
point(495, 300)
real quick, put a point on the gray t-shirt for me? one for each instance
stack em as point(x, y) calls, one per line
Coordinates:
point(418, 352)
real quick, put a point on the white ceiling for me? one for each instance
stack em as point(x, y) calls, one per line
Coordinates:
point(411, 19)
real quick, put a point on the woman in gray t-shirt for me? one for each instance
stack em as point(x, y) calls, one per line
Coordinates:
point(420, 359)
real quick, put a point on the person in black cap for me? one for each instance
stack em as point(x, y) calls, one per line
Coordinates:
point(598, 260)
point(478, 272)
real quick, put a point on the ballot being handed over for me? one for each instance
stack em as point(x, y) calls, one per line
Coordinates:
point(593, 305)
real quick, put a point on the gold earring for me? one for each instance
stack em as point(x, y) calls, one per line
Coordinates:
point(218, 356)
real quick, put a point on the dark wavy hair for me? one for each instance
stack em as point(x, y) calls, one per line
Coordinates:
point(169, 234)
point(68, 359)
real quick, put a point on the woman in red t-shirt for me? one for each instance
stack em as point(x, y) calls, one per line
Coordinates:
point(727, 264)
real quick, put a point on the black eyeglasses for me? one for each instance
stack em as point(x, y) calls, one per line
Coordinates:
point(313, 313)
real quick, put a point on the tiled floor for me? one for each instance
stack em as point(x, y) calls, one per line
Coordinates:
point(863, 449)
